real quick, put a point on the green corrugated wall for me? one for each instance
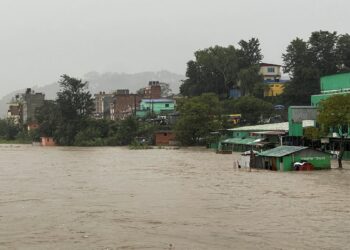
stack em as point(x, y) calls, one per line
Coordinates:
point(335, 82)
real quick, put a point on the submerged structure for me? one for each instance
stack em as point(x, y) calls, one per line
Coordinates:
point(288, 158)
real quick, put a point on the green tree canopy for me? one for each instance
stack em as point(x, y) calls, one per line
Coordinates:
point(216, 69)
point(48, 116)
point(75, 105)
point(249, 79)
point(343, 52)
point(249, 53)
point(199, 116)
point(334, 114)
point(252, 109)
point(323, 54)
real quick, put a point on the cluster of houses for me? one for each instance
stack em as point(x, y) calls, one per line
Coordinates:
point(278, 145)
point(120, 104)
point(22, 108)
point(117, 105)
point(272, 79)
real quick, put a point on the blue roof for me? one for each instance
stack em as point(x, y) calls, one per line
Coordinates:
point(157, 100)
point(281, 81)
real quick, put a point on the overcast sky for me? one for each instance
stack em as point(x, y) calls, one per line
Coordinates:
point(43, 39)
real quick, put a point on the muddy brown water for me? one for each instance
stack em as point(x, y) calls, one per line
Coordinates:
point(116, 198)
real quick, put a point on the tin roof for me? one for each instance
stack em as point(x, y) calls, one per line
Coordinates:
point(157, 100)
point(246, 141)
point(281, 151)
point(282, 126)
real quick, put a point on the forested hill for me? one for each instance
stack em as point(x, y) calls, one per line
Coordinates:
point(104, 82)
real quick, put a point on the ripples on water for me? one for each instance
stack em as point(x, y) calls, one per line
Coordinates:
point(115, 198)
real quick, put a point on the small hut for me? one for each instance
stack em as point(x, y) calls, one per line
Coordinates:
point(285, 158)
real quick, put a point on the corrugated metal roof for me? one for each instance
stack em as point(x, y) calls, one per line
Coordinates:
point(246, 141)
point(281, 151)
point(282, 126)
point(270, 133)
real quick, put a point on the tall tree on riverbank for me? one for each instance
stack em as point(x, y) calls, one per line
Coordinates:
point(334, 114)
point(199, 116)
point(75, 105)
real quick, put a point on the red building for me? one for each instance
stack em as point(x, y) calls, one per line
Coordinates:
point(163, 138)
point(124, 105)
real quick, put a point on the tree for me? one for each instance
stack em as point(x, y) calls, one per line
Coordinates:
point(8, 129)
point(214, 70)
point(343, 52)
point(128, 130)
point(252, 109)
point(198, 117)
point(165, 89)
point(322, 49)
point(75, 105)
point(304, 77)
point(249, 79)
point(323, 54)
point(334, 113)
point(48, 117)
point(249, 53)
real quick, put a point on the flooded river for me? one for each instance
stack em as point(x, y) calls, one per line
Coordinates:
point(116, 198)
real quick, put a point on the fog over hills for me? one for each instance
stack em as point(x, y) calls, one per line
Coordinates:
point(107, 82)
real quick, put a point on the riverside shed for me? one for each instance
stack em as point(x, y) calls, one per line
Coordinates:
point(283, 158)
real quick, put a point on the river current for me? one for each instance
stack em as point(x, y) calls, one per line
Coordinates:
point(116, 198)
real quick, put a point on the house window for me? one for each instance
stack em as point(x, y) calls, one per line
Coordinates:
point(271, 69)
point(167, 105)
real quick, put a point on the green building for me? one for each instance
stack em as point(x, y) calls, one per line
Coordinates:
point(258, 137)
point(155, 106)
point(300, 117)
point(283, 158)
point(334, 85)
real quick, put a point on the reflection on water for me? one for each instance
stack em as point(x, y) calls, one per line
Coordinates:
point(115, 198)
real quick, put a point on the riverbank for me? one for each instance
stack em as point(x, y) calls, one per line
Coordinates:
point(17, 141)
